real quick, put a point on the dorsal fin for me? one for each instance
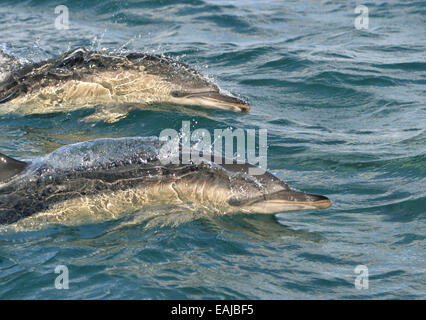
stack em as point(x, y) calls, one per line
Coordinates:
point(10, 167)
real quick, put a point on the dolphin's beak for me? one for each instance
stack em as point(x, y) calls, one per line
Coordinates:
point(286, 200)
point(213, 99)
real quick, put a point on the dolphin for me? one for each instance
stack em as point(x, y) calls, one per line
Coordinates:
point(113, 83)
point(126, 173)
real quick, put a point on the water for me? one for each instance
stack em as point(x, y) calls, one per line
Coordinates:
point(345, 114)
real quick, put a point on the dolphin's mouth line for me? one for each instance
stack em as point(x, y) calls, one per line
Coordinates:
point(320, 204)
point(215, 98)
point(241, 107)
point(310, 201)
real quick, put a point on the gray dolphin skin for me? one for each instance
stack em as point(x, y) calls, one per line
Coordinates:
point(125, 173)
point(10, 167)
point(114, 83)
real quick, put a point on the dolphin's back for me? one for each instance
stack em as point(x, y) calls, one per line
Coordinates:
point(10, 167)
point(172, 70)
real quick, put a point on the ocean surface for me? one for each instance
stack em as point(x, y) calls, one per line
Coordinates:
point(345, 112)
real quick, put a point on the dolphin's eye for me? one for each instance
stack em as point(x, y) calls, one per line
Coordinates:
point(178, 94)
